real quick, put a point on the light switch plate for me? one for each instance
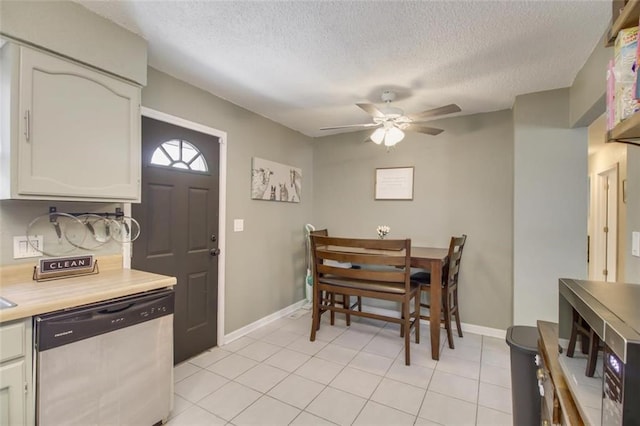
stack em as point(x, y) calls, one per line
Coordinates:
point(238, 225)
point(635, 244)
point(22, 249)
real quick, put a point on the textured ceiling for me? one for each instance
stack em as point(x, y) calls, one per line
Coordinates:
point(305, 64)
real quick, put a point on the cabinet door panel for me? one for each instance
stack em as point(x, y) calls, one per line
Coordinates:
point(82, 135)
point(12, 340)
point(12, 395)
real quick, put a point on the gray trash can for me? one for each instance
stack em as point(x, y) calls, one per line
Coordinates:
point(525, 395)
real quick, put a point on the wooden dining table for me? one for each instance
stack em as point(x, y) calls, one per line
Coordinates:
point(433, 260)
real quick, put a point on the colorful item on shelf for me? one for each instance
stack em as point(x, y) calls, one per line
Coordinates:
point(625, 51)
point(626, 104)
point(635, 80)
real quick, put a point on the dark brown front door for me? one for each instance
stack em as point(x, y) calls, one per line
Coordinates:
point(179, 227)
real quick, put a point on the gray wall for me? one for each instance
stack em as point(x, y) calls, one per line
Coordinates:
point(632, 263)
point(550, 203)
point(587, 102)
point(462, 184)
point(587, 93)
point(603, 158)
point(520, 192)
point(15, 216)
point(71, 30)
point(265, 263)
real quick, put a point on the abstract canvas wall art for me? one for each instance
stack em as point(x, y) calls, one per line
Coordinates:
point(275, 181)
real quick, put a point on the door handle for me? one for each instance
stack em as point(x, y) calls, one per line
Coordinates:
point(27, 125)
point(214, 252)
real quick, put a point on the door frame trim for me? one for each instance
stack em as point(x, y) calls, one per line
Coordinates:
point(222, 202)
point(605, 254)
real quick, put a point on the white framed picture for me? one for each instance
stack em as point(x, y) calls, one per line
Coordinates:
point(394, 183)
point(273, 181)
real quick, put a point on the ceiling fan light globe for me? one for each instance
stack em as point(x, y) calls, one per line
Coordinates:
point(393, 136)
point(378, 135)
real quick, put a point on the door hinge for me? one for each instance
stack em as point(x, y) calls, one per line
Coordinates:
point(605, 272)
point(605, 229)
point(26, 388)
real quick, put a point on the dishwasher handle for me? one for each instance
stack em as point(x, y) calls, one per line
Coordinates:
point(107, 311)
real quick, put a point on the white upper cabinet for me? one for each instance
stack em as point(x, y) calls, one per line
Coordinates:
point(69, 132)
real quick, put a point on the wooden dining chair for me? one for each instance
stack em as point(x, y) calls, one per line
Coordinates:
point(449, 284)
point(342, 299)
point(385, 275)
point(589, 342)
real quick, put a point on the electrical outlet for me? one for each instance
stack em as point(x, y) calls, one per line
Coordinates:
point(22, 249)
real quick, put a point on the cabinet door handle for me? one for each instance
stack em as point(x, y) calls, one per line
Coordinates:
point(27, 123)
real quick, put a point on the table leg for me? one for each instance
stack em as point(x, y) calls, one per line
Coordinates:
point(435, 300)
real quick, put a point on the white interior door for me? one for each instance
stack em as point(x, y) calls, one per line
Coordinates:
point(606, 226)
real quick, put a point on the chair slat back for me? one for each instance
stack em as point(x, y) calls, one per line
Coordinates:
point(373, 254)
point(321, 232)
point(455, 256)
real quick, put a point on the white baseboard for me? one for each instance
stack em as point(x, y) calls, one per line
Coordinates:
point(470, 328)
point(234, 335)
point(485, 331)
point(243, 331)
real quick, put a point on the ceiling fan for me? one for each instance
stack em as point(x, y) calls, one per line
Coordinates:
point(391, 122)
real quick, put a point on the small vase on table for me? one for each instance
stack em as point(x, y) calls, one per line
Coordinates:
point(382, 231)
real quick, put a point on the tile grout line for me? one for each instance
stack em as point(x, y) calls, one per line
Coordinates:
point(375, 332)
point(479, 378)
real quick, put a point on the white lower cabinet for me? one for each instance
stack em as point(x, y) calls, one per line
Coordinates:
point(17, 407)
point(13, 410)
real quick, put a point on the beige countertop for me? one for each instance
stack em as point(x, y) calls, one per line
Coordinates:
point(34, 298)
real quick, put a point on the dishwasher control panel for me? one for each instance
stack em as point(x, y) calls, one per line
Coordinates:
point(155, 311)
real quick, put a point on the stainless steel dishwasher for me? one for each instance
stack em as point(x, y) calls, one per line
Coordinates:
point(106, 363)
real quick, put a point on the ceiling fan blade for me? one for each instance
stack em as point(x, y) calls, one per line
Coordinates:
point(372, 110)
point(424, 129)
point(447, 109)
point(347, 126)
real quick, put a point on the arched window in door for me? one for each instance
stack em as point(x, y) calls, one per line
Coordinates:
point(179, 154)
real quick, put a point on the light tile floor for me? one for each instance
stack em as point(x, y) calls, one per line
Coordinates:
point(349, 375)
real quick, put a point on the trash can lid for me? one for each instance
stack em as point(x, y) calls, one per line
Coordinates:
point(523, 337)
